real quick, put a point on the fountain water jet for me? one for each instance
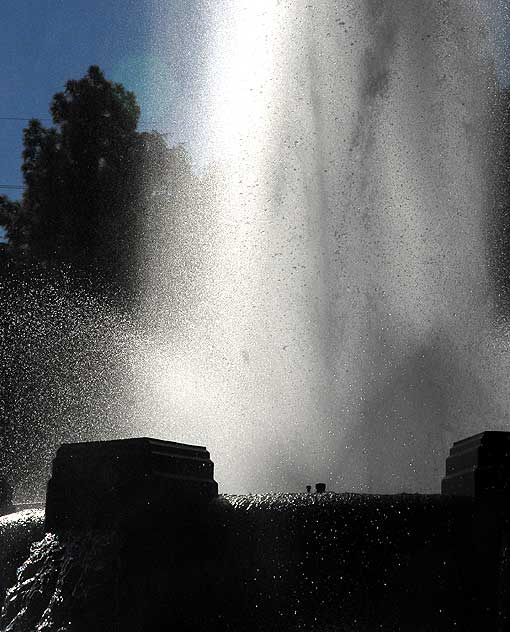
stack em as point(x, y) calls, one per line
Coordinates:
point(339, 328)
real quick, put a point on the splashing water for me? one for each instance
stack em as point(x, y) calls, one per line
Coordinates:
point(339, 326)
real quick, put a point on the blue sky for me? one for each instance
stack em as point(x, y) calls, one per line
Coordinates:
point(148, 45)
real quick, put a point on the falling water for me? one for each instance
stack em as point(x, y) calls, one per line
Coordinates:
point(328, 306)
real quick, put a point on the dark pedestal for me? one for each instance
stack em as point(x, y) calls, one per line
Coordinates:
point(127, 482)
point(479, 466)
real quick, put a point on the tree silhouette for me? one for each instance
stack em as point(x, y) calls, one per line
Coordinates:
point(90, 182)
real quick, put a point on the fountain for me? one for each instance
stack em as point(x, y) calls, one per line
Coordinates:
point(340, 318)
point(324, 314)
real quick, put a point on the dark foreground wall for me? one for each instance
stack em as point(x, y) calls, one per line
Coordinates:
point(329, 562)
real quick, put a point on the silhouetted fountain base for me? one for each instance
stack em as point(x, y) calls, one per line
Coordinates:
point(120, 483)
point(479, 466)
point(281, 562)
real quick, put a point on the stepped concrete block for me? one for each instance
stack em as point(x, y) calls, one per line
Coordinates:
point(102, 484)
point(479, 466)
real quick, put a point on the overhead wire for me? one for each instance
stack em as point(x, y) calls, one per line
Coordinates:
point(41, 118)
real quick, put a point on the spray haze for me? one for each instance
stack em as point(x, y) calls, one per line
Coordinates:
point(336, 322)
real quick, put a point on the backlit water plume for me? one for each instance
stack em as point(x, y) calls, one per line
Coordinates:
point(327, 312)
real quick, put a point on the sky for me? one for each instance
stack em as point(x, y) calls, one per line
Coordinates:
point(151, 46)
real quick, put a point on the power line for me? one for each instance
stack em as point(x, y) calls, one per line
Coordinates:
point(39, 118)
point(11, 186)
point(22, 118)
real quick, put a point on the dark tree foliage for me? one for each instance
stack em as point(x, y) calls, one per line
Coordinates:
point(90, 182)
point(10, 212)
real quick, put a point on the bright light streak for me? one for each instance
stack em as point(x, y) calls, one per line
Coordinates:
point(245, 45)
